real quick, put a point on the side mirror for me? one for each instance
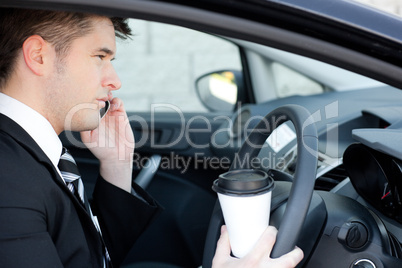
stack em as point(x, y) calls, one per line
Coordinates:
point(219, 91)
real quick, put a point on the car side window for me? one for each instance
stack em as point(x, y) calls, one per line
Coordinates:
point(161, 63)
point(289, 82)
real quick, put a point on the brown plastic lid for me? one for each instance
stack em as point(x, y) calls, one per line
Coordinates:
point(243, 182)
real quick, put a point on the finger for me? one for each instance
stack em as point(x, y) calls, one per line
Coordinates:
point(265, 244)
point(116, 104)
point(85, 136)
point(223, 246)
point(290, 259)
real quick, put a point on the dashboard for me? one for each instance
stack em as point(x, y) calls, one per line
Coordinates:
point(360, 147)
point(336, 115)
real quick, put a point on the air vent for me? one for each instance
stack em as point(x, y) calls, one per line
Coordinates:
point(330, 179)
point(396, 248)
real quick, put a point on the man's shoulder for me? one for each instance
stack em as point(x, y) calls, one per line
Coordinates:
point(16, 162)
point(9, 147)
point(24, 181)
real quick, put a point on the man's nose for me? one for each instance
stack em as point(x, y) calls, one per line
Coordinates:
point(111, 80)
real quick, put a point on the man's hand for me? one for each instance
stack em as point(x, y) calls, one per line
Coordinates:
point(258, 257)
point(113, 144)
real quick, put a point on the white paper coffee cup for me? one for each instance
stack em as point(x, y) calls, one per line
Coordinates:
point(245, 199)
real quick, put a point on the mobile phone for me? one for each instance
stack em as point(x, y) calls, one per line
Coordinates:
point(104, 110)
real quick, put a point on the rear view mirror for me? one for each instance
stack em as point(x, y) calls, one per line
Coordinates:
point(219, 91)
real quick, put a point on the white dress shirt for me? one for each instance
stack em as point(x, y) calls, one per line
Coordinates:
point(37, 126)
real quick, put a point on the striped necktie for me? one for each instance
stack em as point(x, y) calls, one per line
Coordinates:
point(71, 176)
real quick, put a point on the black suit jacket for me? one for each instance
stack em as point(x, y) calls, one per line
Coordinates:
point(43, 225)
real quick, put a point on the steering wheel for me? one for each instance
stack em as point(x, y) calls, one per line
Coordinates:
point(303, 183)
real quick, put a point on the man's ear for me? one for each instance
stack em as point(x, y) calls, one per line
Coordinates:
point(34, 50)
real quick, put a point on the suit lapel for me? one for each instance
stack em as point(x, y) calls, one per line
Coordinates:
point(17, 133)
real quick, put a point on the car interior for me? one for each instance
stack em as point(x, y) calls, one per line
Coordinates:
point(314, 106)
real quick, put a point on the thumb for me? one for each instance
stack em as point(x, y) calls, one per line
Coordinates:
point(87, 137)
point(223, 247)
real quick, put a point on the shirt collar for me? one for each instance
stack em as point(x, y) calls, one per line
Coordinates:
point(37, 126)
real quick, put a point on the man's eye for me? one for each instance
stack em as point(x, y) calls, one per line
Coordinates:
point(101, 56)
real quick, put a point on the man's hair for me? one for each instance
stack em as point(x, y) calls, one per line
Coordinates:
point(59, 28)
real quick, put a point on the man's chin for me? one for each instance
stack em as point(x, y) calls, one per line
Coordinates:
point(85, 124)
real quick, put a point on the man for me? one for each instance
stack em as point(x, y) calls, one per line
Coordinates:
point(55, 75)
point(51, 63)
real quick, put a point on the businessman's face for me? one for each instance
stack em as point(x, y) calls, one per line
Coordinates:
point(84, 79)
